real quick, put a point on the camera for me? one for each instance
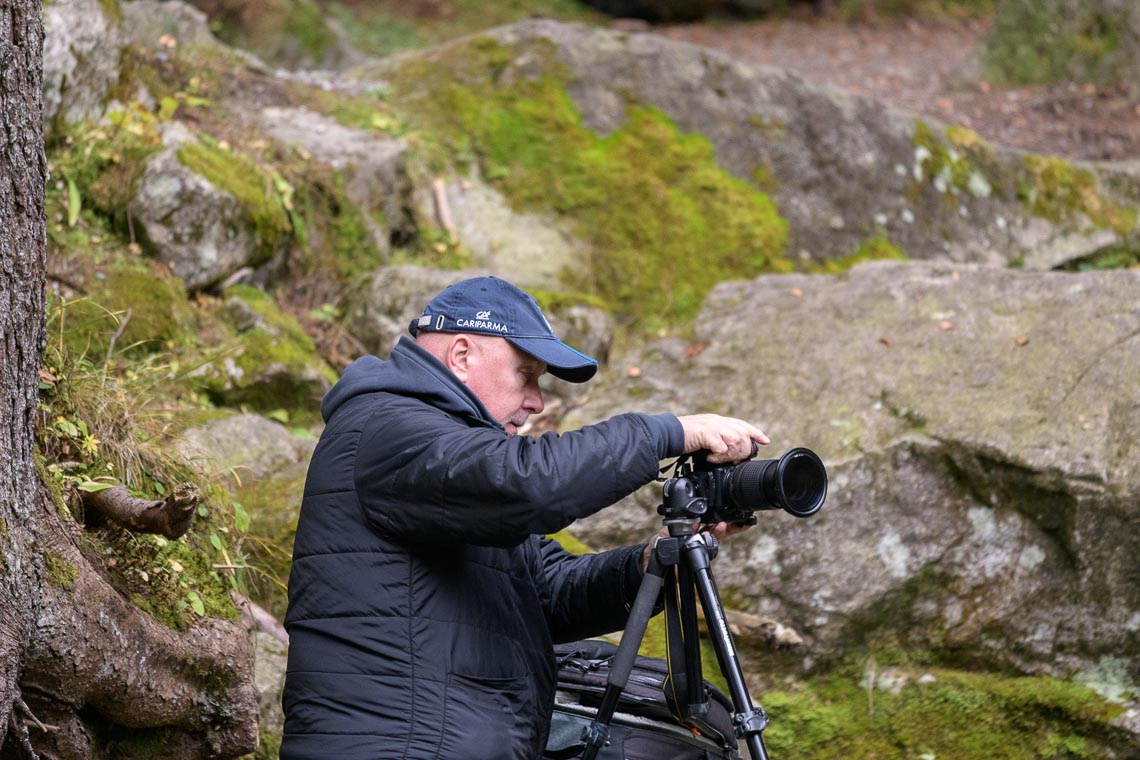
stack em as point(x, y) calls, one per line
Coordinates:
point(795, 483)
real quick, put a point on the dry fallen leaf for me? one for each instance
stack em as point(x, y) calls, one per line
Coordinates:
point(695, 349)
point(945, 325)
point(634, 371)
point(1021, 340)
point(797, 292)
point(886, 341)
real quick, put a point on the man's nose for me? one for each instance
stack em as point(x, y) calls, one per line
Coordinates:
point(533, 402)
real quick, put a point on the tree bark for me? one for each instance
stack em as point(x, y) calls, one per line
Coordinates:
point(83, 672)
point(23, 171)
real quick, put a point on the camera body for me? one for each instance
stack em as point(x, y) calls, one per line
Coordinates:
point(796, 483)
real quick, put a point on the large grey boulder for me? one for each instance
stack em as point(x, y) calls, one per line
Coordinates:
point(243, 446)
point(844, 169)
point(202, 231)
point(978, 426)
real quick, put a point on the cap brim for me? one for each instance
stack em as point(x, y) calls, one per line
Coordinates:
point(562, 361)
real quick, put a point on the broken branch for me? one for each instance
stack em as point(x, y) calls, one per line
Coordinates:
point(170, 517)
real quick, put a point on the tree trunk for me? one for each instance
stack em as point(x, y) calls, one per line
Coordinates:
point(23, 170)
point(83, 672)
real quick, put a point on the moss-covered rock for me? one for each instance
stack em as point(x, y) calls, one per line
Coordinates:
point(900, 712)
point(269, 363)
point(663, 221)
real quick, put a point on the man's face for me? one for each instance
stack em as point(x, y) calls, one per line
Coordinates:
point(506, 380)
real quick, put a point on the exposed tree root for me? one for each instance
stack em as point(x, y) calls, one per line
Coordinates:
point(103, 679)
point(170, 517)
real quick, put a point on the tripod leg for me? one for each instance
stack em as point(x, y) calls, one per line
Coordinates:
point(595, 735)
point(691, 682)
point(750, 720)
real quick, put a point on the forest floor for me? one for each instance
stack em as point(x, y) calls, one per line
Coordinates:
point(929, 67)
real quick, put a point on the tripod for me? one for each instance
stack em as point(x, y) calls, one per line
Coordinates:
point(691, 554)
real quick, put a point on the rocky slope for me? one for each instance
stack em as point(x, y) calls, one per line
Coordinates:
point(974, 409)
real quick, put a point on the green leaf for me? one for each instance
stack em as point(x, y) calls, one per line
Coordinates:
point(167, 108)
point(196, 603)
point(65, 426)
point(74, 203)
point(92, 486)
point(215, 541)
point(241, 517)
point(202, 511)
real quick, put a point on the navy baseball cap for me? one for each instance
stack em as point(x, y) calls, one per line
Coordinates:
point(493, 306)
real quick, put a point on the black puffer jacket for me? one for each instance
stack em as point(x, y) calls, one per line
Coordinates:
point(423, 602)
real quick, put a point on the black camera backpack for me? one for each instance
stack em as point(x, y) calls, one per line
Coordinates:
point(643, 726)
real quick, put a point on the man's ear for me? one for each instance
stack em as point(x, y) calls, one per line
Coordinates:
point(459, 352)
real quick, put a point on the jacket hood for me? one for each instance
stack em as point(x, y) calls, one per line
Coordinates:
point(409, 371)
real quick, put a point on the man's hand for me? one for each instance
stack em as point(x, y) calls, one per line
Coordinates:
point(726, 438)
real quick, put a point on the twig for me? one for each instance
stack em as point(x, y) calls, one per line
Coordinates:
point(23, 706)
point(115, 337)
point(442, 209)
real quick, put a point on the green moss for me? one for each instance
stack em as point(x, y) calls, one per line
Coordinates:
point(1057, 190)
point(370, 111)
point(664, 222)
point(175, 581)
point(353, 247)
point(251, 184)
point(271, 363)
point(764, 180)
point(268, 746)
point(53, 486)
point(1115, 257)
point(871, 249)
point(59, 572)
point(883, 713)
point(772, 130)
point(954, 165)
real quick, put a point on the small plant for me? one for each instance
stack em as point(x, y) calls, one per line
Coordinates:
point(102, 423)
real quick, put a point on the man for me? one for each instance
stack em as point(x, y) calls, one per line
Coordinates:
point(423, 599)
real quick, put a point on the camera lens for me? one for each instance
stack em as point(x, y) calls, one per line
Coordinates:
point(795, 483)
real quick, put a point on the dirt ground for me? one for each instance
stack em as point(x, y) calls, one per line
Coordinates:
point(930, 68)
